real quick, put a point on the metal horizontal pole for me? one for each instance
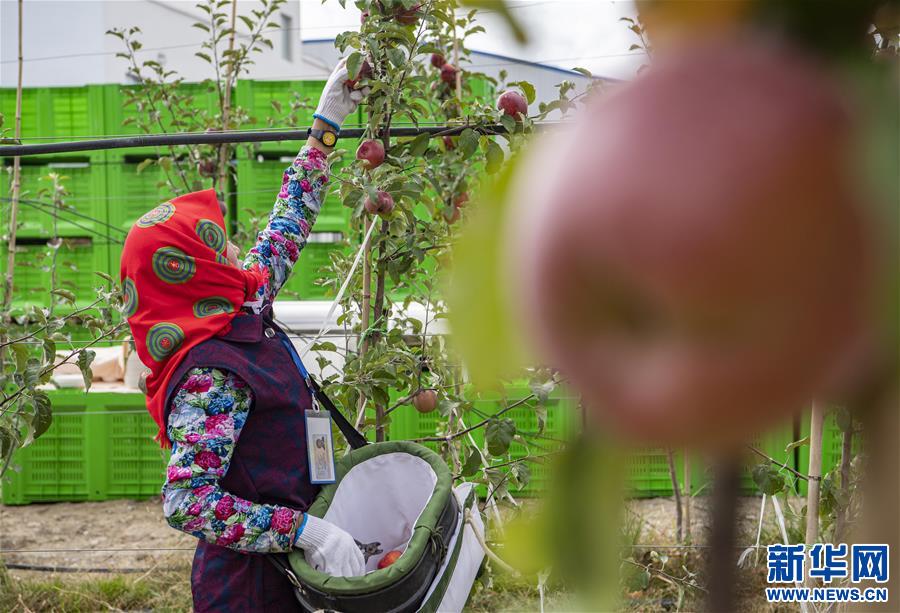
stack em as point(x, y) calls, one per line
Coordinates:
point(216, 138)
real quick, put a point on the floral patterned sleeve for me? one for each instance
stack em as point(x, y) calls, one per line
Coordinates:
point(296, 207)
point(208, 413)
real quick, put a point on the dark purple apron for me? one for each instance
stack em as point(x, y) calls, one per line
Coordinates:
point(269, 464)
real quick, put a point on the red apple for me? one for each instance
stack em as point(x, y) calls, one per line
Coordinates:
point(425, 401)
point(697, 268)
point(382, 206)
point(437, 60)
point(371, 152)
point(206, 168)
point(461, 199)
point(408, 16)
point(513, 103)
point(452, 214)
point(448, 74)
point(389, 558)
point(449, 143)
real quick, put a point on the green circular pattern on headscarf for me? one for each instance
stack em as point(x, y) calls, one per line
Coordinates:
point(130, 305)
point(163, 339)
point(214, 305)
point(212, 235)
point(173, 265)
point(158, 215)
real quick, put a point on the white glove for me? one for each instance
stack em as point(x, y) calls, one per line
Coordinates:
point(330, 549)
point(338, 98)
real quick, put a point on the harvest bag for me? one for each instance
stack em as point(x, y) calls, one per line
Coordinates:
point(399, 494)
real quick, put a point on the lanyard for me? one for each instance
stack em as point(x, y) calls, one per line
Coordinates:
point(300, 367)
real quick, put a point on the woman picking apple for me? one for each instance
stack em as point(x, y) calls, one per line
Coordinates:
point(226, 388)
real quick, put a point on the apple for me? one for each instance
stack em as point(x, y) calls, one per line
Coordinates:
point(449, 143)
point(452, 214)
point(701, 268)
point(365, 71)
point(206, 167)
point(461, 199)
point(371, 153)
point(513, 103)
point(382, 206)
point(437, 60)
point(389, 558)
point(425, 401)
point(448, 74)
point(408, 16)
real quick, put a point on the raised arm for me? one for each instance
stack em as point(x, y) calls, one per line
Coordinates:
point(303, 188)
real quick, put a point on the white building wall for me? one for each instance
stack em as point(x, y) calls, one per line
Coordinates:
point(65, 41)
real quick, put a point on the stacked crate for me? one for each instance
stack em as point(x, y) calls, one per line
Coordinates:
point(99, 447)
point(58, 114)
point(259, 173)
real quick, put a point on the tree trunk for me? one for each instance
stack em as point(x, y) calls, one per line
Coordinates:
point(676, 490)
point(688, 498)
point(722, 559)
point(16, 183)
point(376, 335)
point(815, 474)
point(364, 316)
point(840, 525)
point(225, 148)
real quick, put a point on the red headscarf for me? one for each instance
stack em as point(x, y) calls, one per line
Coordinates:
point(179, 288)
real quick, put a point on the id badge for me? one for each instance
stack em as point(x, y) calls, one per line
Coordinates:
point(319, 447)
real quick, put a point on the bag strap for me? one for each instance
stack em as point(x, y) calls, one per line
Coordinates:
point(354, 437)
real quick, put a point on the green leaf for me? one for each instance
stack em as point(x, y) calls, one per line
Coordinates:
point(583, 71)
point(499, 434)
point(85, 357)
point(635, 578)
point(468, 143)
point(65, 295)
point(43, 414)
point(354, 63)
point(803, 441)
point(767, 479)
point(472, 464)
point(521, 473)
point(493, 156)
point(419, 144)
point(104, 276)
point(527, 89)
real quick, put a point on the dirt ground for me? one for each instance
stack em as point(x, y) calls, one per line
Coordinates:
point(105, 535)
point(112, 534)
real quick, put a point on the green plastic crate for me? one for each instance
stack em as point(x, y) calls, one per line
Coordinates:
point(60, 113)
point(257, 98)
point(119, 117)
point(77, 260)
point(99, 447)
point(85, 212)
point(133, 193)
point(258, 184)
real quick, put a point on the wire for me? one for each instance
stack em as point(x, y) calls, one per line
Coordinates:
point(74, 569)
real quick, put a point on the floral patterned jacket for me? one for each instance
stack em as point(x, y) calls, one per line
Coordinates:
point(211, 406)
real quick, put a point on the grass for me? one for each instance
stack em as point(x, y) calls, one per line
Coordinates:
point(159, 590)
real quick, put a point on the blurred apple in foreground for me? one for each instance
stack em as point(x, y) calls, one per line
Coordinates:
point(694, 256)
